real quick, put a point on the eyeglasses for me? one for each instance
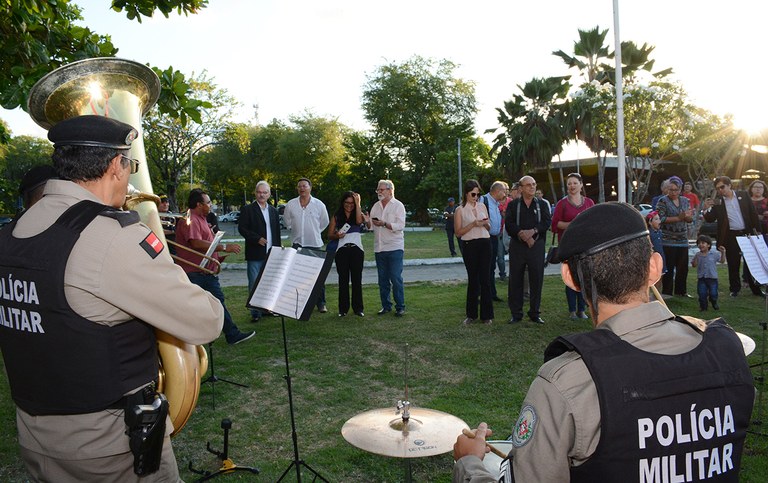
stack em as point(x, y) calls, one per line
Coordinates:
point(134, 164)
point(378, 190)
point(527, 185)
point(721, 187)
point(349, 202)
point(473, 194)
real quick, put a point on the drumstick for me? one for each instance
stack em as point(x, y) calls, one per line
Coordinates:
point(470, 433)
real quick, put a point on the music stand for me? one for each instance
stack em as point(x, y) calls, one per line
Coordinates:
point(289, 284)
point(213, 378)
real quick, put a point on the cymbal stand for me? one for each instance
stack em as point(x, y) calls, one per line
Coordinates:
point(227, 465)
point(213, 378)
point(297, 461)
point(758, 419)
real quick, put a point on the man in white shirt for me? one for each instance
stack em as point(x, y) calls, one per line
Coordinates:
point(307, 217)
point(387, 219)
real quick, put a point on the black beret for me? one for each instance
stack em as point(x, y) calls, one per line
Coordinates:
point(600, 227)
point(36, 176)
point(96, 131)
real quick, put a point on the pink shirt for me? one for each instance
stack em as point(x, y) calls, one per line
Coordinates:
point(193, 228)
point(566, 211)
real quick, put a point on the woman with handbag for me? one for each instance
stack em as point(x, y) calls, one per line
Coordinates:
point(472, 225)
point(565, 211)
point(344, 234)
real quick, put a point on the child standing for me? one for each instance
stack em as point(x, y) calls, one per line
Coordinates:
point(706, 269)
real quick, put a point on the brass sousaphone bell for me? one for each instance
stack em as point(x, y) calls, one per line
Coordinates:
point(125, 90)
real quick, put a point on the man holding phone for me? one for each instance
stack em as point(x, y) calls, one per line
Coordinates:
point(387, 220)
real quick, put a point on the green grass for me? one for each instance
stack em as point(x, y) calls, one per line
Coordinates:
point(342, 367)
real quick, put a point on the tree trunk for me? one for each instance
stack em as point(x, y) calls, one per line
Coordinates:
point(551, 183)
point(601, 175)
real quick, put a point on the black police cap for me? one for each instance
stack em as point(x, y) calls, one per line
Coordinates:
point(600, 227)
point(36, 176)
point(96, 131)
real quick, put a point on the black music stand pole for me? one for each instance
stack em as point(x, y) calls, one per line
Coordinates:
point(297, 462)
point(213, 378)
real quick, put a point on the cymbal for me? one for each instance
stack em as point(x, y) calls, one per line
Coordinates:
point(747, 342)
point(383, 431)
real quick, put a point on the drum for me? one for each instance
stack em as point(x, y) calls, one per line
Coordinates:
point(491, 461)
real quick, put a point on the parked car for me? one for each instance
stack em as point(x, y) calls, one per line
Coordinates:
point(232, 216)
point(4, 220)
point(644, 209)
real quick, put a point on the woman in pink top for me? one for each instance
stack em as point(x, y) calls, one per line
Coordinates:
point(471, 225)
point(565, 211)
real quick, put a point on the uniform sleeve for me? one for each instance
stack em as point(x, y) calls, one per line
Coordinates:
point(470, 469)
point(156, 290)
point(543, 435)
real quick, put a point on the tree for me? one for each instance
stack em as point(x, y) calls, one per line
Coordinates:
point(656, 118)
point(170, 145)
point(587, 121)
point(37, 37)
point(711, 147)
point(418, 109)
point(532, 127)
point(20, 155)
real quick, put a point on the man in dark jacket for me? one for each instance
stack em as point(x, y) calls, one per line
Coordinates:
point(736, 216)
point(260, 226)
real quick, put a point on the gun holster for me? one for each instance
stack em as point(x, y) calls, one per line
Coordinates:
point(146, 431)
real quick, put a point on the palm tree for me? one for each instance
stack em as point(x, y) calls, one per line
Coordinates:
point(532, 126)
point(588, 54)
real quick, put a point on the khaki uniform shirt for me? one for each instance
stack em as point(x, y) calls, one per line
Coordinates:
point(109, 280)
point(564, 399)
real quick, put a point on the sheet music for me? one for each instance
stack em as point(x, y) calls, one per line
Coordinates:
point(286, 282)
point(755, 253)
point(212, 248)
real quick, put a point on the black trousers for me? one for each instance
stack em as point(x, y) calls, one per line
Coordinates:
point(733, 257)
point(451, 245)
point(520, 258)
point(676, 277)
point(349, 266)
point(477, 260)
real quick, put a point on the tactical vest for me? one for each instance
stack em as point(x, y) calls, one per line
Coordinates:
point(57, 361)
point(666, 418)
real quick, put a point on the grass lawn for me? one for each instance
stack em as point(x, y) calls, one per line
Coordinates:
point(342, 367)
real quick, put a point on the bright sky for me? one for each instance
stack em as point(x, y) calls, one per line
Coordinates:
point(289, 56)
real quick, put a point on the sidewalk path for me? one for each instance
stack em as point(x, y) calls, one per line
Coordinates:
point(414, 270)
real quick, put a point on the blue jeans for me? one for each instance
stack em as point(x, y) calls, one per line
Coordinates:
point(575, 300)
point(254, 268)
point(210, 283)
point(390, 268)
point(707, 287)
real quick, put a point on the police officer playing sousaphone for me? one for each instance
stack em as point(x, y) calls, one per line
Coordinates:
point(77, 324)
point(645, 397)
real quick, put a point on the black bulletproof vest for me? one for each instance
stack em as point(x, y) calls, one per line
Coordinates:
point(666, 417)
point(57, 361)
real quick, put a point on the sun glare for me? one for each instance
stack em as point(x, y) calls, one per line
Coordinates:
point(752, 122)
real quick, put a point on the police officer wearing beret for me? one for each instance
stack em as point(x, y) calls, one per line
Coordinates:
point(646, 396)
point(76, 319)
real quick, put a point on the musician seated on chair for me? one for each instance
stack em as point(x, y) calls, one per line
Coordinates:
point(645, 396)
point(76, 319)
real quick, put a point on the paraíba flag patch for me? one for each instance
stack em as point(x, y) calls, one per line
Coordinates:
point(525, 426)
point(152, 245)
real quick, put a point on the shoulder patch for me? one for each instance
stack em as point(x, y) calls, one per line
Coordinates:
point(125, 218)
point(152, 245)
point(525, 426)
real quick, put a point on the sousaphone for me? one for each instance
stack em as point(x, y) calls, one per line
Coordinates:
point(125, 90)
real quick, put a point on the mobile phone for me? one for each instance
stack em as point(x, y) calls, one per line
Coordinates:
point(344, 228)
